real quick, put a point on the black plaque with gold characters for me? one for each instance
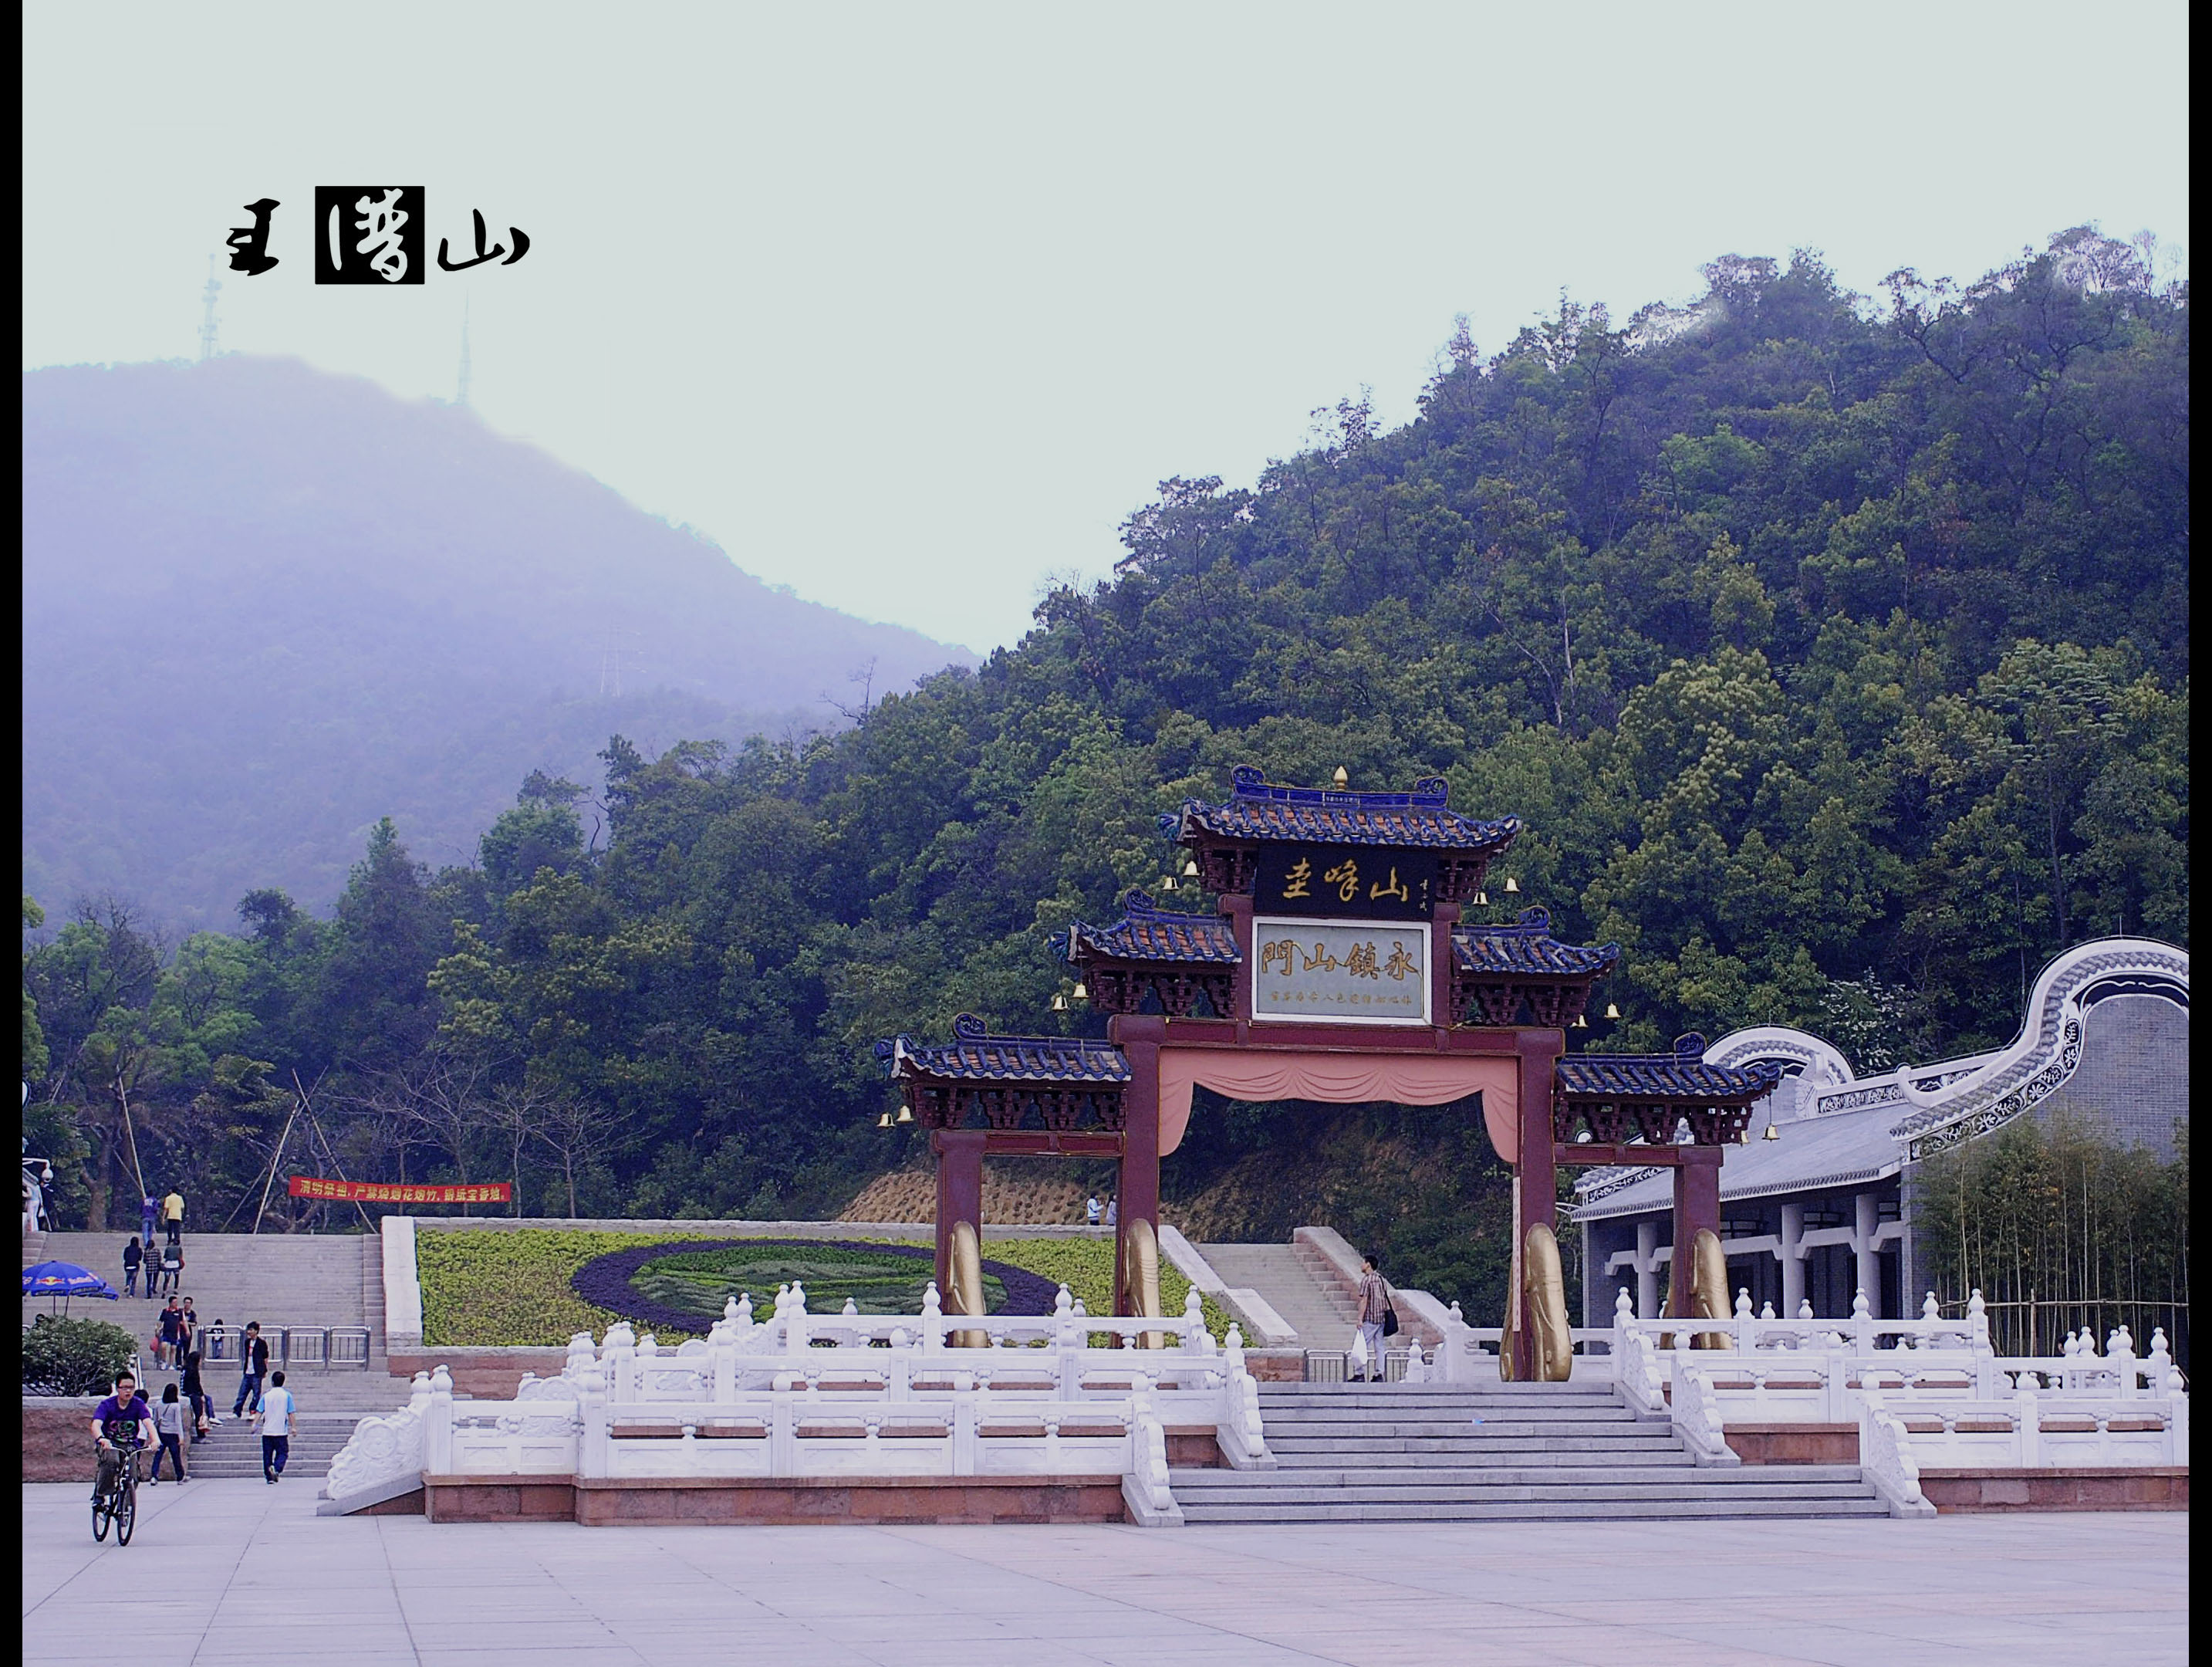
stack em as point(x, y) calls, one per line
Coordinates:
point(1360, 882)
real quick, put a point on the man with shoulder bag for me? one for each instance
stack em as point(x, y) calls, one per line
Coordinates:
point(1377, 1319)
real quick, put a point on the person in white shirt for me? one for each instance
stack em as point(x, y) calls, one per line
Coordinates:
point(1090, 1207)
point(273, 1422)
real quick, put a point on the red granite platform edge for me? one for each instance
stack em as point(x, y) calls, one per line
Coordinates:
point(2088, 1487)
point(793, 1501)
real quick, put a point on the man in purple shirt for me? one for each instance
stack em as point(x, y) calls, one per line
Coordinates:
point(121, 1425)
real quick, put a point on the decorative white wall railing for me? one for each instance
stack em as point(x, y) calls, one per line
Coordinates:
point(846, 1394)
point(1928, 1391)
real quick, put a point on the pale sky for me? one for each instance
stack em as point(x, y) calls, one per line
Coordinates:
point(908, 306)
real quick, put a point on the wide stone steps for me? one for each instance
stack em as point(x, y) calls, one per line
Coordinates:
point(1496, 1453)
point(1673, 1508)
point(232, 1449)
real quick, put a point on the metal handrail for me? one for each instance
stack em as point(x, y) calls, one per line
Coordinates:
point(290, 1347)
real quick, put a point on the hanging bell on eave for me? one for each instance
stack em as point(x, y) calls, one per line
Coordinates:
point(1511, 883)
point(1190, 868)
point(1612, 1010)
point(883, 1122)
point(1082, 991)
point(1059, 1003)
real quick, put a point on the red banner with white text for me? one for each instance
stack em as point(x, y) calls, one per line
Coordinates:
point(399, 1192)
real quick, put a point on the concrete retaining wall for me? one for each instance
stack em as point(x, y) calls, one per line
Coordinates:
point(56, 1439)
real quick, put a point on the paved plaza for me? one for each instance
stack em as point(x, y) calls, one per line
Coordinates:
point(222, 1572)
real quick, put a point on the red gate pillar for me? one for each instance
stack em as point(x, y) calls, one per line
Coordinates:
point(1697, 1204)
point(1138, 1198)
point(959, 1191)
point(1539, 1052)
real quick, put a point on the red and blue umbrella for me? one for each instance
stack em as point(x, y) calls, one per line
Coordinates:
point(65, 1279)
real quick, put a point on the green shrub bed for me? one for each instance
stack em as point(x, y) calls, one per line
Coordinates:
point(489, 1290)
point(74, 1357)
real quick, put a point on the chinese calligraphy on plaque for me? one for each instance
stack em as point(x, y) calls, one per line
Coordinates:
point(1358, 881)
point(1336, 972)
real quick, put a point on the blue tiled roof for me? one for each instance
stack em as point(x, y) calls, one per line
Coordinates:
point(1682, 1074)
point(1527, 949)
point(975, 1055)
point(1258, 809)
point(1148, 933)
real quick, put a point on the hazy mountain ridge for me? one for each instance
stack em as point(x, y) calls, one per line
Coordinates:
point(264, 606)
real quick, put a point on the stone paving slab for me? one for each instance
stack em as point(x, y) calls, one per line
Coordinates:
point(216, 1560)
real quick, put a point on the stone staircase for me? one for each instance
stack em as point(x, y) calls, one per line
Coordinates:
point(1290, 1278)
point(1407, 1452)
point(279, 1280)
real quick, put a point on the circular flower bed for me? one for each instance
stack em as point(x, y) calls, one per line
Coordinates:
point(680, 1285)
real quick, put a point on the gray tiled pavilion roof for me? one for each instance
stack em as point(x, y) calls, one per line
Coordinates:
point(975, 1055)
point(1148, 933)
point(1842, 1149)
point(1527, 948)
point(1682, 1074)
point(1260, 810)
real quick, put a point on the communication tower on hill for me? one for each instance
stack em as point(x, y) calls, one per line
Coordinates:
point(207, 314)
point(611, 663)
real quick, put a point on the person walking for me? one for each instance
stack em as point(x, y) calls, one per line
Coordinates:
point(1113, 1209)
point(173, 1267)
point(1373, 1303)
point(252, 1365)
point(133, 1257)
point(165, 1340)
point(148, 1209)
point(172, 1214)
point(273, 1422)
point(188, 1334)
point(197, 1398)
point(1090, 1207)
point(169, 1426)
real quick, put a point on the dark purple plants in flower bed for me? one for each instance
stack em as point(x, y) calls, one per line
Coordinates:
point(604, 1281)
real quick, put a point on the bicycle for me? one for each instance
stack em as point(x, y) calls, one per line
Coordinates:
point(119, 1503)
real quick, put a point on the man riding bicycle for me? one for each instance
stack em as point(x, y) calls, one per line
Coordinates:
point(121, 1425)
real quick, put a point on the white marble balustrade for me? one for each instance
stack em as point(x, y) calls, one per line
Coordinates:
point(846, 1394)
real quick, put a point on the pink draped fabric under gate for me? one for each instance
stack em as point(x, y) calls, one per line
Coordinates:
point(1342, 1080)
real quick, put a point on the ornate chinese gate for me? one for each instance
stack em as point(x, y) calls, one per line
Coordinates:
point(1336, 966)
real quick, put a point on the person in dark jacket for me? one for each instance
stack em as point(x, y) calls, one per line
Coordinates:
point(253, 1367)
point(133, 1257)
point(195, 1395)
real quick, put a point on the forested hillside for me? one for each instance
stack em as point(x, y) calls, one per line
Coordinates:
point(264, 605)
point(1835, 653)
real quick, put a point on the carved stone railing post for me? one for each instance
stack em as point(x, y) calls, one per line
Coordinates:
point(1145, 1490)
point(1886, 1459)
point(965, 1445)
point(933, 1320)
point(438, 1425)
point(1861, 1324)
point(782, 1428)
point(2121, 1350)
point(1698, 1417)
point(594, 1448)
point(619, 1354)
